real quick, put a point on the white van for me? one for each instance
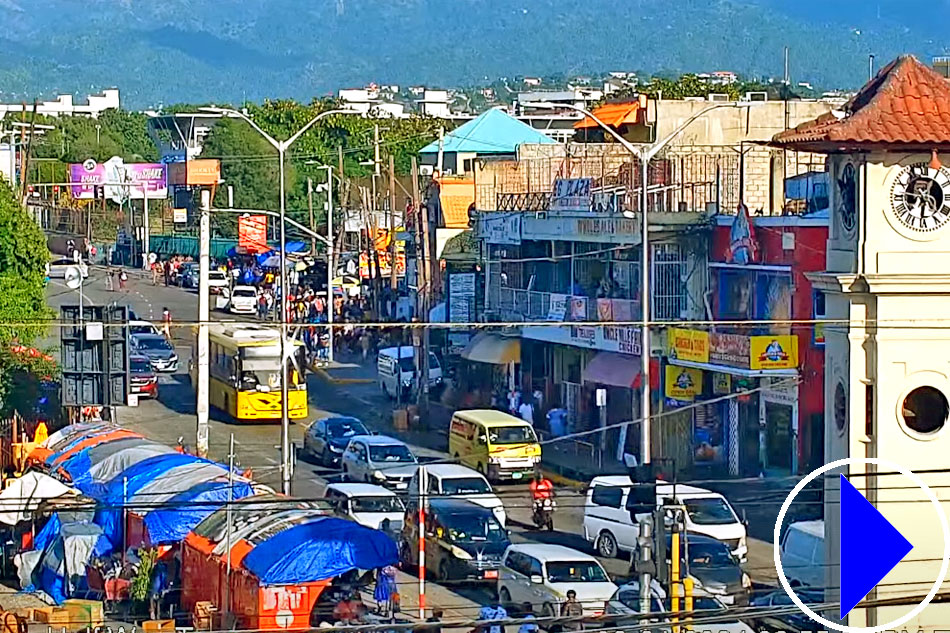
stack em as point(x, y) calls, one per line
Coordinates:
point(609, 527)
point(396, 366)
point(453, 480)
point(803, 553)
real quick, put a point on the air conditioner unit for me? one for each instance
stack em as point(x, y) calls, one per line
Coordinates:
point(540, 215)
point(757, 96)
point(718, 96)
point(425, 170)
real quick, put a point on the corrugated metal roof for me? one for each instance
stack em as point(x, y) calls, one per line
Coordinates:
point(493, 132)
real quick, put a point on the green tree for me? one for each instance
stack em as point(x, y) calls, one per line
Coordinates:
point(24, 315)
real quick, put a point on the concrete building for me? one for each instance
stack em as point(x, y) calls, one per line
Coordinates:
point(368, 101)
point(435, 103)
point(64, 105)
point(886, 285)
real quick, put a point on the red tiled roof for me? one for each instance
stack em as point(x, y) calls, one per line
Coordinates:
point(906, 104)
point(613, 114)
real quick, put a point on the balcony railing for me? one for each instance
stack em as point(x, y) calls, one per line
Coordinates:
point(515, 304)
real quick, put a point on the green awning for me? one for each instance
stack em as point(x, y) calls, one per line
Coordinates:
point(169, 245)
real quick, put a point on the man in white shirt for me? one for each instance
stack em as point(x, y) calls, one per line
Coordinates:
point(526, 412)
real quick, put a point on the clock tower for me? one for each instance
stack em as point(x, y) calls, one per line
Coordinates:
point(887, 302)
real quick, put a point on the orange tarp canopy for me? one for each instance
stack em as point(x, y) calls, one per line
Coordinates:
point(111, 436)
point(613, 114)
point(456, 196)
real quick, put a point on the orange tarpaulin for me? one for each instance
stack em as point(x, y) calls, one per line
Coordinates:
point(94, 441)
point(613, 114)
point(456, 196)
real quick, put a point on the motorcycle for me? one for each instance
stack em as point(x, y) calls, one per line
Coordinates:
point(542, 513)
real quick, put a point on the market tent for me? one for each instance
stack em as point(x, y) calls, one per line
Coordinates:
point(318, 550)
point(180, 514)
point(60, 570)
point(22, 496)
point(72, 431)
point(82, 456)
point(109, 467)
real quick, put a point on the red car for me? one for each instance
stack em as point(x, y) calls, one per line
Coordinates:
point(143, 380)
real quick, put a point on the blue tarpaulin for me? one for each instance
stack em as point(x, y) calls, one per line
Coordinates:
point(61, 571)
point(184, 511)
point(317, 550)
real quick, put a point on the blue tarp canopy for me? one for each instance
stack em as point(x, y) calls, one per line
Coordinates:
point(317, 550)
point(179, 515)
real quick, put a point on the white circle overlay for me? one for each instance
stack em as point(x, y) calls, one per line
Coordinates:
point(944, 565)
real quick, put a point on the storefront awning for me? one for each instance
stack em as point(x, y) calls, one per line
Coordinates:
point(495, 349)
point(617, 370)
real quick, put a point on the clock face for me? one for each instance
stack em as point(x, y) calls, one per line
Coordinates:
point(920, 197)
point(847, 198)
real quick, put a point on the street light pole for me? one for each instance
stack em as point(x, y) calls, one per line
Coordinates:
point(281, 147)
point(330, 254)
point(644, 153)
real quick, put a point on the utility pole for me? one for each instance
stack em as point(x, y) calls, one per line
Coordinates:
point(330, 256)
point(646, 557)
point(146, 247)
point(423, 502)
point(204, 315)
point(422, 293)
point(313, 240)
point(392, 230)
point(438, 162)
point(227, 582)
point(377, 281)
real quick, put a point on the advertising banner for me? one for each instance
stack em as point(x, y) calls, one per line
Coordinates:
point(683, 383)
point(206, 171)
point(731, 350)
point(773, 352)
point(120, 181)
point(689, 345)
point(252, 233)
point(572, 194)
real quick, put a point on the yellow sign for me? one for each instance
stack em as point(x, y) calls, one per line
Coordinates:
point(691, 345)
point(683, 383)
point(773, 352)
point(722, 383)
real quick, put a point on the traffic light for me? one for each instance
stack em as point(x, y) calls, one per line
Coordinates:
point(642, 499)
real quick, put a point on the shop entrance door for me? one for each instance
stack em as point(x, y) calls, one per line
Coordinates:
point(778, 436)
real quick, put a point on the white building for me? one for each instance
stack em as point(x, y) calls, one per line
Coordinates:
point(64, 105)
point(435, 103)
point(580, 97)
point(887, 289)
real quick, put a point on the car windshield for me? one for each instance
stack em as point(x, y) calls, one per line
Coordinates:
point(244, 292)
point(710, 556)
point(476, 527)
point(512, 435)
point(464, 485)
point(153, 343)
point(142, 329)
point(216, 274)
point(339, 428)
point(407, 364)
point(576, 571)
point(630, 598)
point(391, 453)
point(377, 504)
point(139, 366)
point(710, 511)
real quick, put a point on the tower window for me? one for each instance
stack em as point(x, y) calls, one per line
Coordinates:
point(925, 410)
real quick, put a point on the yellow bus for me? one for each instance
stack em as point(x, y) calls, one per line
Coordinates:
point(244, 372)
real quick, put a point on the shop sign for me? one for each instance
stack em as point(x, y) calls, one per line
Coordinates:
point(626, 338)
point(252, 233)
point(585, 336)
point(595, 226)
point(571, 194)
point(611, 338)
point(578, 308)
point(501, 228)
point(689, 345)
point(731, 350)
point(722, 383)
point(179, 215)
point(773, 352)
point(557, 309)
point(461, 297)
point(683, 383)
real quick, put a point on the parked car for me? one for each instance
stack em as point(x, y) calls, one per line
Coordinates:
point(626, 602)
point(610, 526)
point(792, 621)
point(452, 480)
point(187, 275)
point(143, 381)
point(368, 504)
point(243, 300)
point(217, 281)
point(396, 368)
point(57, 268)
point(327, 437)
point(803, 553)
point(159, 351)
point(464, 541)
point(542, 574)
point(379, 459)
point(713, 568)
point(138, 326)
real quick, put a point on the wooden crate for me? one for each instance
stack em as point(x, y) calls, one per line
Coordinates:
point(53, 616)
point(84, 613)
point(158, 626)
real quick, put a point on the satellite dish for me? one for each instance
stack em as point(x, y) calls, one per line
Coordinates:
point(73, 277)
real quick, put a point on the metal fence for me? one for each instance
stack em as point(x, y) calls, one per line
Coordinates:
point(514, 304)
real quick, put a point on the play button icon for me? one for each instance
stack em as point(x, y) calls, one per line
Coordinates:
point(870, 547)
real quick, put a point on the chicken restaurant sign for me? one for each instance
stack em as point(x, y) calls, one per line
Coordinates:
point(609, 338)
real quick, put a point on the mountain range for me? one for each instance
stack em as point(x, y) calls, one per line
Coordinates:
point(171, 51)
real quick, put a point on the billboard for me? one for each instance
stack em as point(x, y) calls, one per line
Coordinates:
point(121, 181)
point(252, 233)
point(206, 171)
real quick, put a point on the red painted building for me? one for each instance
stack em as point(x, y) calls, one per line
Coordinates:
point(773, 287)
